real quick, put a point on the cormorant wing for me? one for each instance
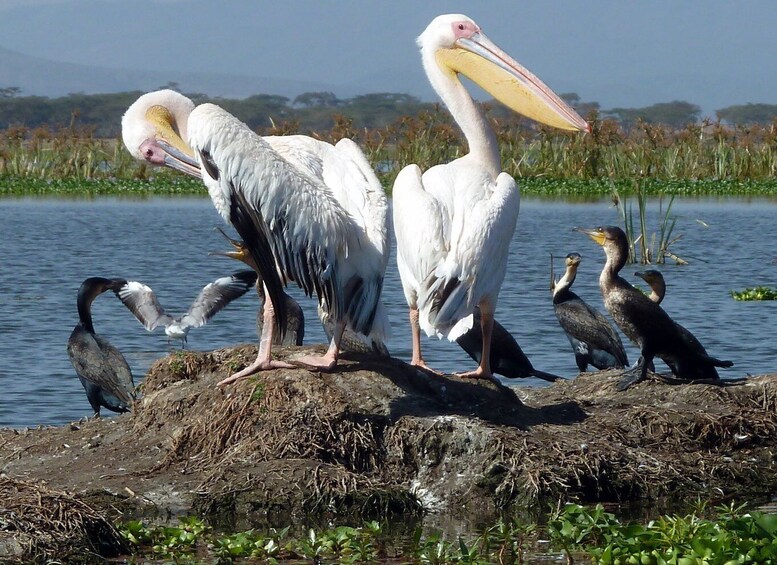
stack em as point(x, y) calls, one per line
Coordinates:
point(216, 295)
point(99, 362)
point(588, 325)
point(142, 302)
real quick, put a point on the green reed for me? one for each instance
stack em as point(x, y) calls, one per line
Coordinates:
point(646, 246)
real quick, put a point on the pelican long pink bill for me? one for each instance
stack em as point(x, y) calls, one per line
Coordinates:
point(478, 58)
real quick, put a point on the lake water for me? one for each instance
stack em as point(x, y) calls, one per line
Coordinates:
point(50, 246)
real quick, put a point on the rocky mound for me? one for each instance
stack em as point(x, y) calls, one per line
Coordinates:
point(378, 438)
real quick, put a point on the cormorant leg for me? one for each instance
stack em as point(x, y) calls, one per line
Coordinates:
point(637, 374)
point(415, 329)
point(263, 360)
point(487, 327)
point(328, 360)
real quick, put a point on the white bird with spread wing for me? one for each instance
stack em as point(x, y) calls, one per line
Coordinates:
point(454, 222)
point(143, 303)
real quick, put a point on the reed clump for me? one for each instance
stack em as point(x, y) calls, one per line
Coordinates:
point(700, 159)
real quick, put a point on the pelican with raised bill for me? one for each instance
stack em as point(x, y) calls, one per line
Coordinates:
point(454, 222)
point(214, 296)
point(309, 212)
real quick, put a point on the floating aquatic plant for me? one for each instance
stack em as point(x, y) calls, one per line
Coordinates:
point(731, 536)
point(755, 293)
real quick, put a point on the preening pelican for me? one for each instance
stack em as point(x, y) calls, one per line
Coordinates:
point(594, 341)
point(101, 368)
point(308, 211)
point(454, 222)
point(643, 321)
point(214, 296)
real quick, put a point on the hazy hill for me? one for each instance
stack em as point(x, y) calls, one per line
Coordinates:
point(44, 77)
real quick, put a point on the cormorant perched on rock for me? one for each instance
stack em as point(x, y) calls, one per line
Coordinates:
point(507, 357)
point(101, 367)
point(295, 319)
point(643, 321)
point(657, 285)
point(594, 340)
point(143, 303)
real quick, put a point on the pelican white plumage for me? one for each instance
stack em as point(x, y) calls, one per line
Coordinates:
point(309, 212)
point(454, 222)
point(144, 304)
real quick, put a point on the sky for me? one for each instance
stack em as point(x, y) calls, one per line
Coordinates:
point(620, 53)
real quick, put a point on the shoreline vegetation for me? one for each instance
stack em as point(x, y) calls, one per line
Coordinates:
point(706, 159)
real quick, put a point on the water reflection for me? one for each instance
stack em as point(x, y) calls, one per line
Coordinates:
point(50, 246)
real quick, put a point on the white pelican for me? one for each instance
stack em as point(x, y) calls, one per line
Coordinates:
point(101, 368)
point(454, 222)
point(308, 211)
point(214, 296)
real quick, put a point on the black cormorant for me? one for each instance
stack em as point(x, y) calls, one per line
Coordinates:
point(657, 285)
point(594, 340)
point(143, 303)
point(101, 367)
point(507, 357)
point(643, 321)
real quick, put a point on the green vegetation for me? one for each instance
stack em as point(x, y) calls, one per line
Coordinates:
point(756, 293)
point(83, 154)
point(731, 535)
point(647, 247)
point(505, 542)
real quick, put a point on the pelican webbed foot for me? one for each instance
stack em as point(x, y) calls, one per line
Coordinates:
point(255, 367)
point(478, 373)
point(324, 362)
point(421, 365)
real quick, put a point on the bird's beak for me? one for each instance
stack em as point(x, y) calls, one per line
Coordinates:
point(240, 251)
point(179, 160)
point(177, 153)
point(597, 235)
point(482, 61)
point(239, 255)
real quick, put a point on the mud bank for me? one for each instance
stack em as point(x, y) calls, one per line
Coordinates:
point(378, 438)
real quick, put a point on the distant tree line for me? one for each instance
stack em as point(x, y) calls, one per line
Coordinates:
point(323, 111)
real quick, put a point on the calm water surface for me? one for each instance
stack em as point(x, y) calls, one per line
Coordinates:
point(50, 246)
